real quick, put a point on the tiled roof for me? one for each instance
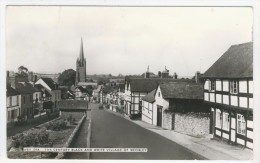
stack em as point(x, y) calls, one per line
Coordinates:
point(182, 90)
point(147, 85)
point(107, 89)
point(35, 88)
point(87, 83)
point(25, 88)
point(150, 97)
point(53, 85)
point(84, 90)
point(73, 104)
point(11, 91)
point(40, 87)
point(236, 62)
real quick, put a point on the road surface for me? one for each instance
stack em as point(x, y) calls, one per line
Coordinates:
point(113, 131)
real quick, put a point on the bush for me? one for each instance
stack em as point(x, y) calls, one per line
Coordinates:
point(57, 125)
point(69, 118)
point(33, 138)
point(20, 121)
point(36, 111)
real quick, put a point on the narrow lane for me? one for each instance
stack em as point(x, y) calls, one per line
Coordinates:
point(112, 131)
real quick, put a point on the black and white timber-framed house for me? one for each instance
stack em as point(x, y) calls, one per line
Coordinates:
point(228, 90)
point(135, 89)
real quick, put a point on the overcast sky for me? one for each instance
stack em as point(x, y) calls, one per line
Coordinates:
point(123, 39)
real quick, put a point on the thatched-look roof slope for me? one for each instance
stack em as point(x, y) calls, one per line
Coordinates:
point(236, 62)
point(182, 90)
point(150, 97)
point(11, 91)
point(147, 85)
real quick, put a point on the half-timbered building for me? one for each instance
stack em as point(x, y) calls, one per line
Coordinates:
point(135, 89)
point(228, 90)
point(180, 96)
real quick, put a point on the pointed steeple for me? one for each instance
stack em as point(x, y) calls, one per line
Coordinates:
point(81, 54)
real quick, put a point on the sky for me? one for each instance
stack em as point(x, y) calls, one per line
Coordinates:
point(124, 40)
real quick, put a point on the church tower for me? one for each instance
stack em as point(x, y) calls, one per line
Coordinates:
point(81, 66)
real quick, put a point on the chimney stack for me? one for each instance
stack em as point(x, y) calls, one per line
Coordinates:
point(147, 73)
point(175, 76)
point(197, 77)
point(165, 73)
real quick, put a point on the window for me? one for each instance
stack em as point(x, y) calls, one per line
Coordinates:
point(212, 86)
point(218, 118)
point(10, 104)
point(159, 94)
point(17, 100)
point(233, 86)
point(241, 124)
point(226, 120)
point(23, 99)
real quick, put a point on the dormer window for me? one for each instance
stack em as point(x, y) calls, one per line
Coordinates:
point(212, 85)
point(233, 86)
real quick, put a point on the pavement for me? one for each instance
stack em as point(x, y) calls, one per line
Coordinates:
point(205, 147)
point(114, 131)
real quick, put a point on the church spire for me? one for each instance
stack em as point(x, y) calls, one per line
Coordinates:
point(81, 54)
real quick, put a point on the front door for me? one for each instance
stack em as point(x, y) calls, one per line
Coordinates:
point(159, 116)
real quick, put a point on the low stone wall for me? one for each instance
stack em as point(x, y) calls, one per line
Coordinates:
point(61, 155)
point(192, 124)
point(168, 120)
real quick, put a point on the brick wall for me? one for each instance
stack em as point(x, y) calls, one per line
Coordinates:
point(192, 124)
point(167, 120)
point(76, 115)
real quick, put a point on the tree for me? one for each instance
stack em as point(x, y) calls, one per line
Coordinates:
point(101, 81)
point(67, 77)
point(22, 71)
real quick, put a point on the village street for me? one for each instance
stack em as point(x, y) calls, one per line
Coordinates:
point(112, 131)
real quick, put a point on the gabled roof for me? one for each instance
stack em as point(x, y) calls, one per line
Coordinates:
point(147, 85)
point(236, 62)
point(87, 84)
point(35, 88)
point(182, 90)
point(25, 88)
point(53, 85)
point(150, 97)
point(107, 89)
point(84, 90)
point(40, 87)
point(98, 89)
point(11, 91)
point(81, 89)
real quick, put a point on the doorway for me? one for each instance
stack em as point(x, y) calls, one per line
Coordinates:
point(159, 115)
